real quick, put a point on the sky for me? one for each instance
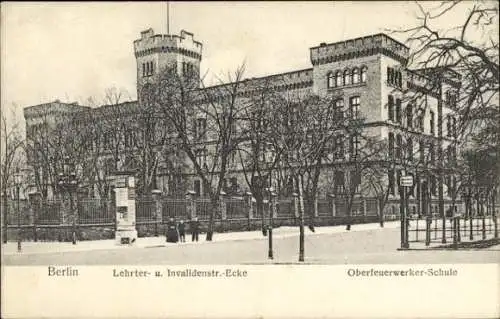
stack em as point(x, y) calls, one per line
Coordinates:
point(72, 51)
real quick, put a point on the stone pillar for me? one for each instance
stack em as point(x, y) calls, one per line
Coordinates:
point(334, 209)
point(364, 207)
point(222, 203)
point(315, 207)
point(248, 199)
point(191, 205)
point(157, 216)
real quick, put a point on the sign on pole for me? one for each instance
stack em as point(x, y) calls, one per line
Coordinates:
point(407, 181)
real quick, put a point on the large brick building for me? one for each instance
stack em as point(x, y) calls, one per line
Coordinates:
point(403, 107)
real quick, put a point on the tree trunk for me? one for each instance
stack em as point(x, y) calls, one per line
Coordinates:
point(215, 210)
point(260, 212)
point(349, 213)
point(4, 217)
point(381, 206)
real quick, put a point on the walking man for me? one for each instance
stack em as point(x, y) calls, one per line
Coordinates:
point(172, 232)
point(195, 228)
point(182, 231)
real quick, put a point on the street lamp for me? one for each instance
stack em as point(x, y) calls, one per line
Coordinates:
point(17, 181)
point(67, 182)
point(271, 193)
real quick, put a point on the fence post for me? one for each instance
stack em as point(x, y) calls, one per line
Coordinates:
point(334, 212)
point(364, 210)
point(156, 195)
point(428, 222)
point(454, 229)
point(483, 217)
point(248, 199)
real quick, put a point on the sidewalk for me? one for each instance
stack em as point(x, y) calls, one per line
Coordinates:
point(149, 242)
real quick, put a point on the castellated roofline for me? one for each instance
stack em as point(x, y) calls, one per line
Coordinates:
point(363, 46)
point(183, 43)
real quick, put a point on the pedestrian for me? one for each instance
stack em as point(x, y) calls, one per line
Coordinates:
point(195, 228)
point(182, 231)
point(172, 232)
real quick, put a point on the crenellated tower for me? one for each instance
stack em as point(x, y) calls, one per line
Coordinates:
point(156, 52)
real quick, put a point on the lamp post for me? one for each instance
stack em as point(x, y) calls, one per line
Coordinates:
point(17, 181)
point(270, 191)
point(67, 182)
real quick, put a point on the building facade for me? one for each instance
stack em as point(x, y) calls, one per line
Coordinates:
point(412, 111)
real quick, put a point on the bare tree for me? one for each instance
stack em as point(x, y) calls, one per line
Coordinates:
point(11, 146)
point(204, 121)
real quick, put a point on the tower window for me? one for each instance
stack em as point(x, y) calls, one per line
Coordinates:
point(355, 76)
point(390, 107)
point(347, 77)
point(338, 78)
point(363, 74)
point(331, 81)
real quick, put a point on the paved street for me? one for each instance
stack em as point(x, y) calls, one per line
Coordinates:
point(333, 245)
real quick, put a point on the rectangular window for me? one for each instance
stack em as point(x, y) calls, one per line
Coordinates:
point(422, 152)
point(200, 128)
point(390, 107)
point(399, 145)
point(398, 111)
point(354, 107)
point(339, 147)
point(431, 153)
point(391, 145)
point(409, 146)
point(201, 157)
point(390, 75)
point(197, 187)
point(433, 185)
point(409, 116)
point(431, 122)
point(339, 182)
point(339, 108)
point(354, 145)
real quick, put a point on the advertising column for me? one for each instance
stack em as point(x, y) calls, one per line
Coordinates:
point(125, 210)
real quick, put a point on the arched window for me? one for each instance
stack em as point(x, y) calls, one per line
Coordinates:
point(330, 80)
point(355, 76)
point(338, 78)
point(347, 77)
point(363, 74)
